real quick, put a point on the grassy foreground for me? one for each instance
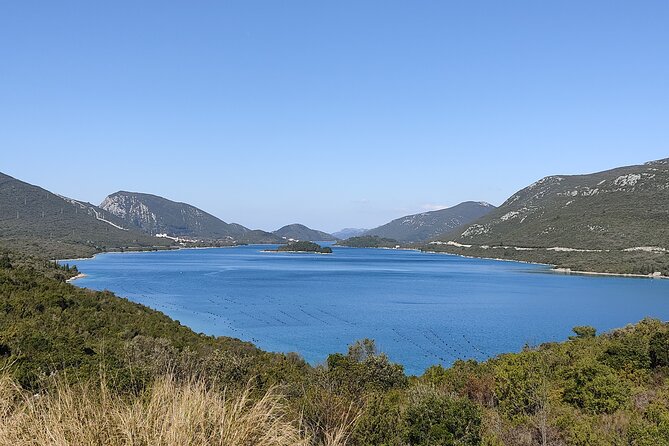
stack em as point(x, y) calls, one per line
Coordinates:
point(84, 367)
point(167, 413)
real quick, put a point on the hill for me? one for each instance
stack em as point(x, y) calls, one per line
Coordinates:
point(157, 215)
point(611, 221)
point(37, 221)
point(368, 241)
point(84, 328)
point(305, 247)
point(349, 232)
point(300, 232)
point(430, 225)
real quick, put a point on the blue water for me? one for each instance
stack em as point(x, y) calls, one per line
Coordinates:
point(421, 309)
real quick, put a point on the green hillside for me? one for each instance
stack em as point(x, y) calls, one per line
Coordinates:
point(35, 220)
point(304, 246)
point(368, 241)
point(430, 225)
point(300, 232)
point(157, 215)
point(611, 221)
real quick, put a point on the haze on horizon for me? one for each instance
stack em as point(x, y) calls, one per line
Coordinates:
point(331, 115)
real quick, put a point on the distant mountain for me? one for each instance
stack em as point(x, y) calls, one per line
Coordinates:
point(348, 233)
point(618, 218)
point(37, 221)
point(157, 215)
point(430, 225)
point(300, 232)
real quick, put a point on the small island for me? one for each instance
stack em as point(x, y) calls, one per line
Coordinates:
point(304, 246)
point(369, 241)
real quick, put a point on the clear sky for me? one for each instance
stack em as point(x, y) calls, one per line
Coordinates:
point(331, 114)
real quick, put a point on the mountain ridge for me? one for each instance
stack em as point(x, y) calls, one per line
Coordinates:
point(155, 215)
point(345, 233)
point(429, 225)
point(297, 231)
point(38, 221)
point(614, 221)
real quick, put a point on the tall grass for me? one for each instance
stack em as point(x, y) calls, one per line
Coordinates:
point(169, 413)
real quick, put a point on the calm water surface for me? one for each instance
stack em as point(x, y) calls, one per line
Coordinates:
point(421, 309)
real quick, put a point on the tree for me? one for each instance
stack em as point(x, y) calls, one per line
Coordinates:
point(5, 262)
point(659, 350)
point(594, 387)
point(435, 419)
point(363, 368)
point(583, 332)
point(521, 386)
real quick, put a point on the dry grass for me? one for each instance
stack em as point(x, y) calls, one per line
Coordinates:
point(169, 414)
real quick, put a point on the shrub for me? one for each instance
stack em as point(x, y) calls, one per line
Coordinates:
point(438, 419)
point(381, 422)
point(583, 331)
point(364, 369)
point(521, 383)
point(595, 387)
point(659, 350)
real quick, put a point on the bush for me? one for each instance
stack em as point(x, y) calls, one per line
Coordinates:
point(5, 262)
point(381, 422)
point(521, 384)
point(595, 387)
point(583, 331)
point(436, 419)
point(659, 350)
point(364, 369)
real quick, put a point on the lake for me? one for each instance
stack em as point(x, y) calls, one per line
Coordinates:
point(421, 308)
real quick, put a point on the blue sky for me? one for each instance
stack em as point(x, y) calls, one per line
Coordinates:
point(331, 114)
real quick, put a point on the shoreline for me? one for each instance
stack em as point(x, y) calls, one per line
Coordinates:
point(276, 251)
point(568, 271)
point(556, 269)
point(140, 251)
point(78, 276)
point(553, 268)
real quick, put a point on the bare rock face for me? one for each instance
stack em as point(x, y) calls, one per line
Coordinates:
point(159, 216)
point(37, 221)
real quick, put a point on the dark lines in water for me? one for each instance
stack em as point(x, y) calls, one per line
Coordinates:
point(445, 345)
point(427, 353)
point(327, 313)
point(301, 308)
point(302, 318)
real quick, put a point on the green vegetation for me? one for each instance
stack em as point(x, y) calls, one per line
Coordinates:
point(369, 241)
point(607, 212)
point(48, 325)
point(56, 338)
point(305, 246)
point(603, 262)
point(35, 221)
